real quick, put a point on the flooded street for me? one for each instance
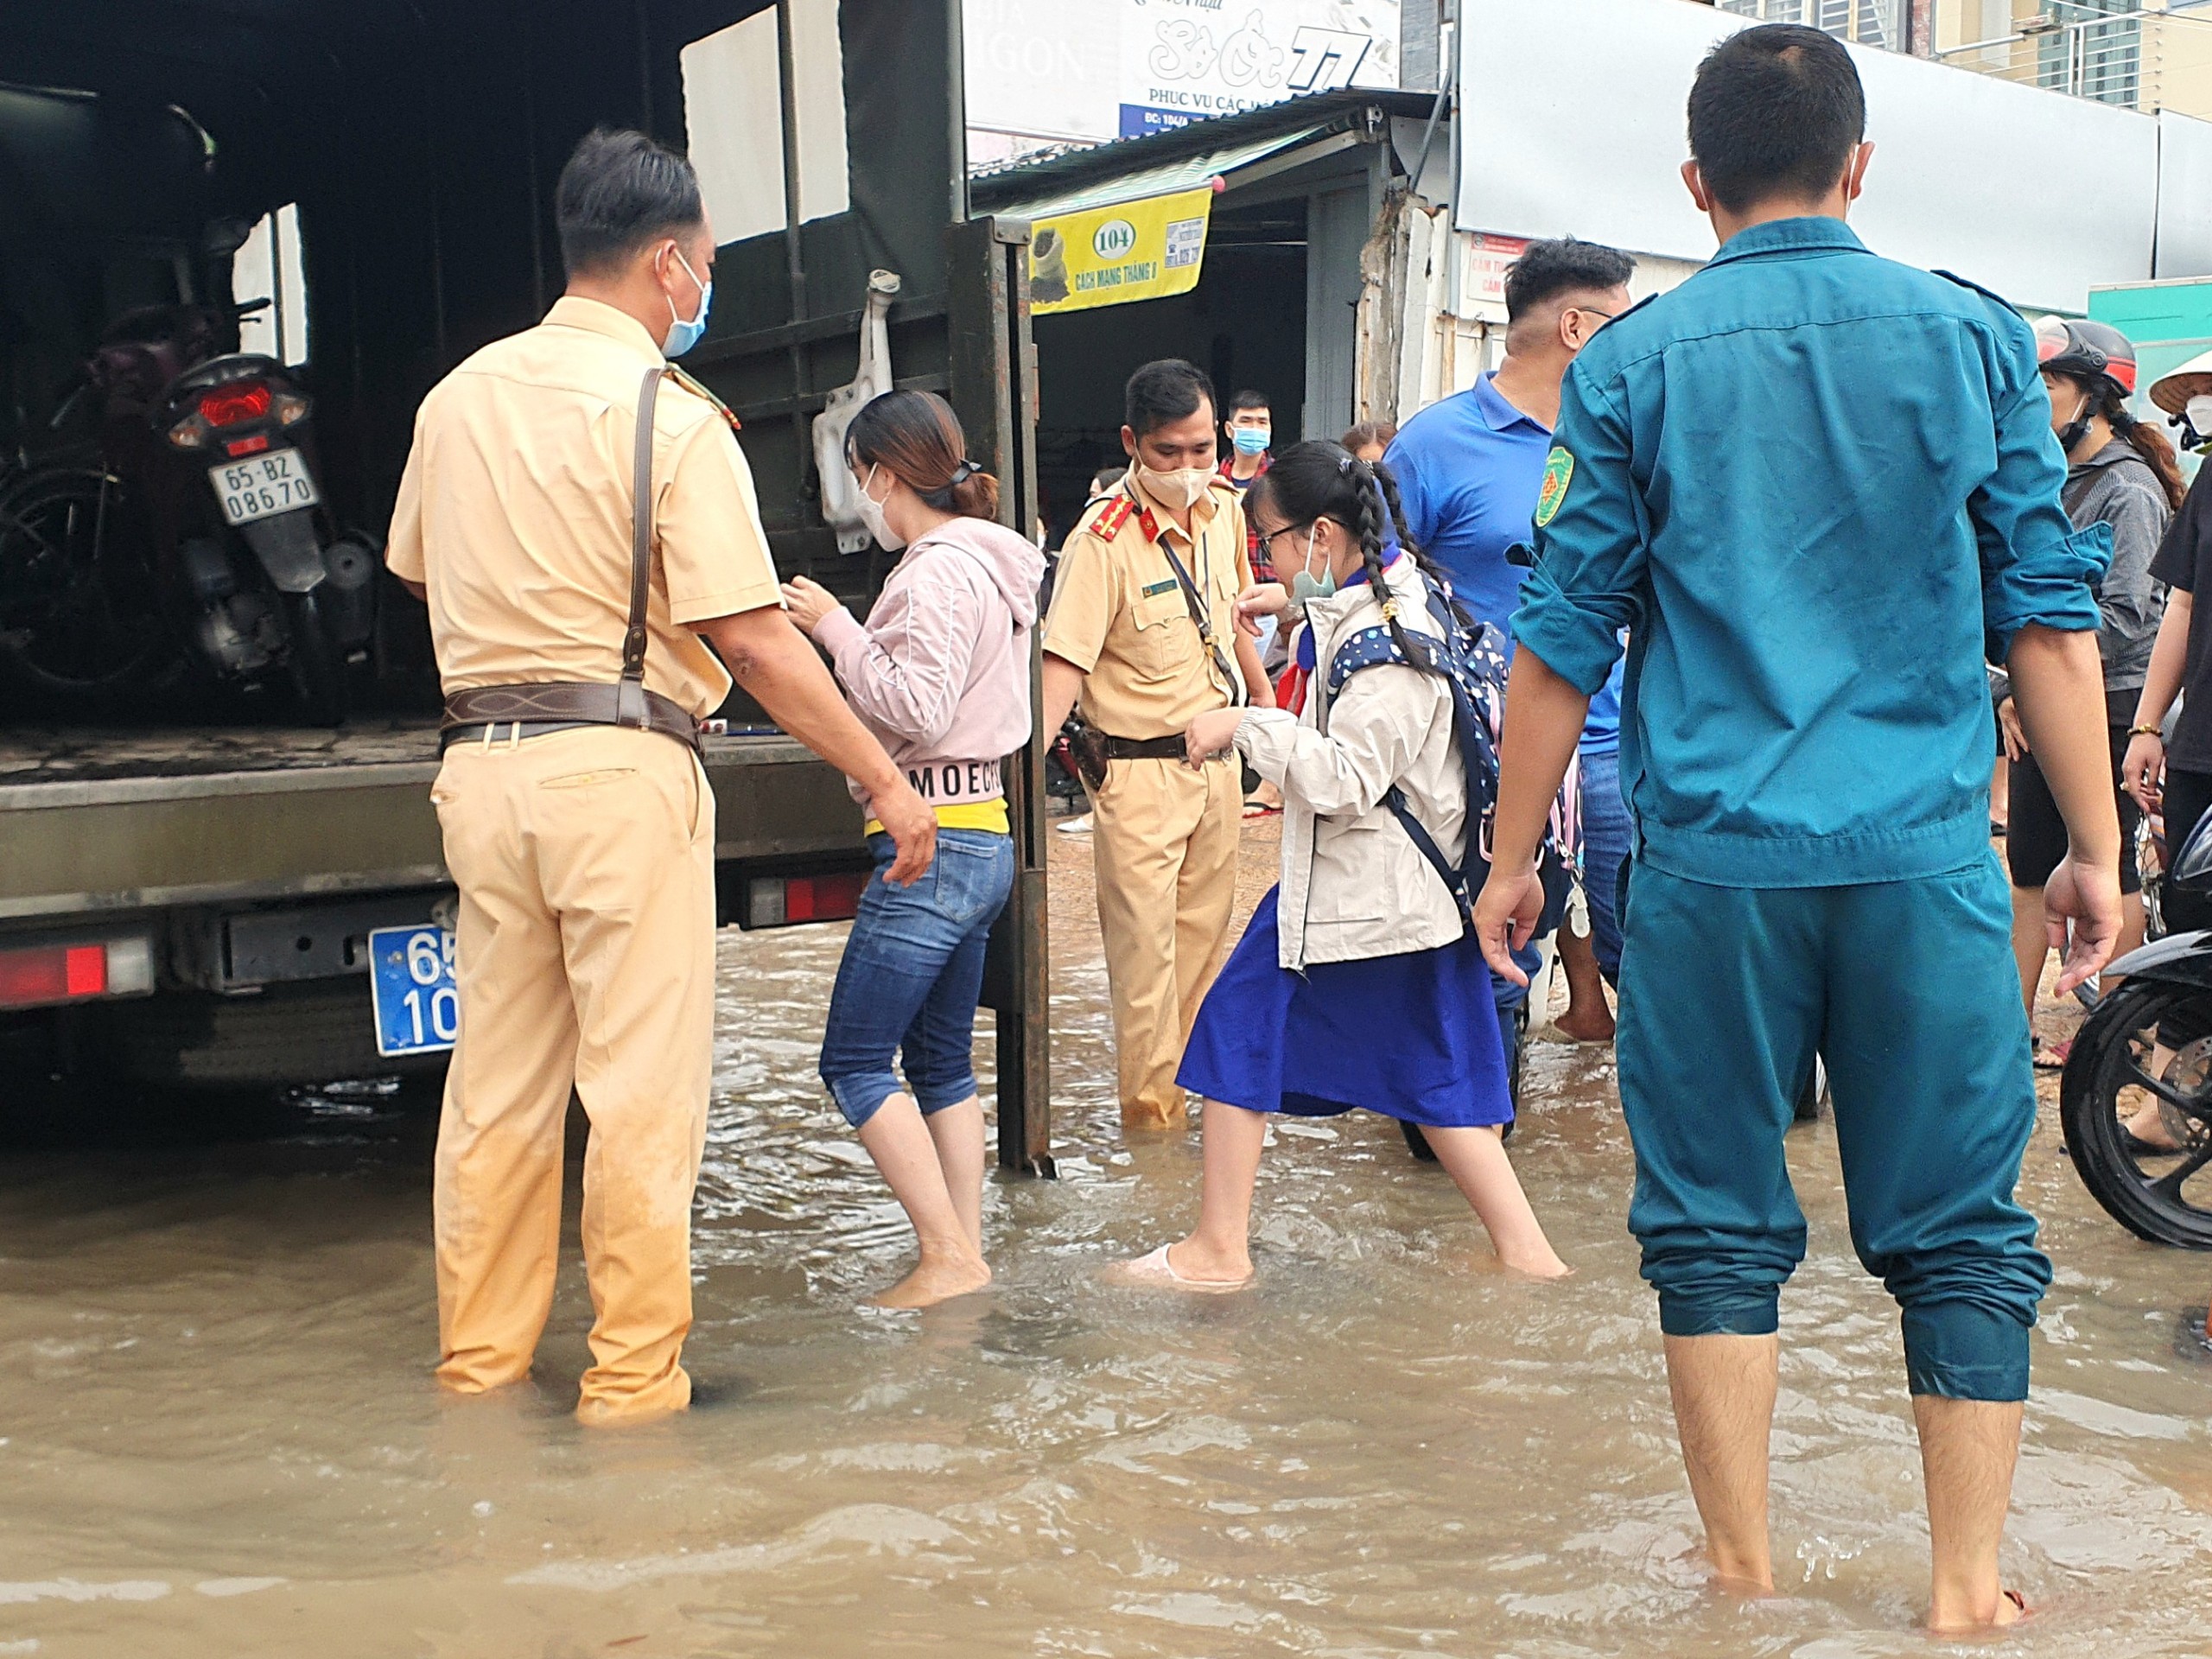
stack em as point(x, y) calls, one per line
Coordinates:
point(218, 1435)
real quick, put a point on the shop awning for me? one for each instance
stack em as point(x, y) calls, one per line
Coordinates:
point(1128, 221)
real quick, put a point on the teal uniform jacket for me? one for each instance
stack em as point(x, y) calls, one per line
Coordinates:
point(1818, 487)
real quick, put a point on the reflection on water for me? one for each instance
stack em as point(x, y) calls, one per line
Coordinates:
point(218, 1435)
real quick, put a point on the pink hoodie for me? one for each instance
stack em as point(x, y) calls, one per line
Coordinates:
point(940, 673)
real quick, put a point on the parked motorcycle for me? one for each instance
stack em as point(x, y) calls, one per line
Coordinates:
point(2148, 1044)
point(198, 534)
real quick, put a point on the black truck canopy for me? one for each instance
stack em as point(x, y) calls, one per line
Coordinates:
point(420, 140)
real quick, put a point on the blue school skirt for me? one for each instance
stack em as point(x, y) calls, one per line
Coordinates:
point(1414, 1037)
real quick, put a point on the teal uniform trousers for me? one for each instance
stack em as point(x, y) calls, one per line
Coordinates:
point(1908, 990)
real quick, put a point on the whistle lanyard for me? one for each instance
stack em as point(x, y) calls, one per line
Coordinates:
point(1194, 601)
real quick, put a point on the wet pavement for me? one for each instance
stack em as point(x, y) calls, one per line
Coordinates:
point(218, 1435)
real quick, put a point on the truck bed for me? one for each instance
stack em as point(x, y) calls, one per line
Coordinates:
point(119, 819)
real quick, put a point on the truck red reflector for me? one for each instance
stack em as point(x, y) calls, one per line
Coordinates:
point(779, 901)
point(236, 404)
point(34, 976)
point(823, 897)
point(84, 969)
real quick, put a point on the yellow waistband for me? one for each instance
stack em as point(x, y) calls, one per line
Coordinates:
point(967, 815)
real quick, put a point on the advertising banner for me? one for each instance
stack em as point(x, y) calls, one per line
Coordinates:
point(1143, 249)
point(1051, 69)
point(1182, 60)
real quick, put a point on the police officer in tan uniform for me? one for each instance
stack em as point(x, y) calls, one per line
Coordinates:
point(1142, 636)
point(570, 573)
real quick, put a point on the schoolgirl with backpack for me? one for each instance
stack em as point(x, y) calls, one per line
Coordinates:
point(1359, 982)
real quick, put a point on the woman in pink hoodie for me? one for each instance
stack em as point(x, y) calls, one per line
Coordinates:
point(940, 673)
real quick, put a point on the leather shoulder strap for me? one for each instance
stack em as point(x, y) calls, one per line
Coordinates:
point(641, 545)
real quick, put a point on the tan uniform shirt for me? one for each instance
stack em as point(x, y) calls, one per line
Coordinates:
point(514, 512)
point(1119, 614)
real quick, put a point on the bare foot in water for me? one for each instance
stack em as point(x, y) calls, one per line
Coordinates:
point(1587, 1025)
point(1540, 1263)
point(937, 1279)
point(2012, 1608)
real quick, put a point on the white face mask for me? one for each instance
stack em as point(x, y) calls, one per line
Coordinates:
point(1179, 490)
point(2198, 411)
point(871, 513)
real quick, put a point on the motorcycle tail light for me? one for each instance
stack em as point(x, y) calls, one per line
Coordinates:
point(291, 408)
point(190, 433)
point(252, 444)
point(236, 404)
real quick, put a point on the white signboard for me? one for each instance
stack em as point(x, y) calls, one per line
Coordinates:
point(1105, 69)
point(1572, 123)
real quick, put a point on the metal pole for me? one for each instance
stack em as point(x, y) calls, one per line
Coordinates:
point(794, 254)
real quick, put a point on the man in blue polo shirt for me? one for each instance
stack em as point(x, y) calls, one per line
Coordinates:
point(1469, 468)
point(1818, 487)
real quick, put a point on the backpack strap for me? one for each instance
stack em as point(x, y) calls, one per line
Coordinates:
point(1464, 650)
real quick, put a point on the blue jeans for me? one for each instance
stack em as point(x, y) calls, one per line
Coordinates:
point(911, 972)
point(1604, 850)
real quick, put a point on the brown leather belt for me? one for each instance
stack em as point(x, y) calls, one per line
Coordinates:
point(520, 711)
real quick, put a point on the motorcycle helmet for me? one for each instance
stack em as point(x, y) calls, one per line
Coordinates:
point(2095, 353)
point(2087, 351)
point(2186, 394)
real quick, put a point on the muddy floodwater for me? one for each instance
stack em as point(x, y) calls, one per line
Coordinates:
point(219, 1436)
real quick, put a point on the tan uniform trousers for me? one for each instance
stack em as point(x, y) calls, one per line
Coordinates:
point(585, 958)
point(1164, 841)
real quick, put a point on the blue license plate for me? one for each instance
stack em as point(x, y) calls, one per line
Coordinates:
point(411, 983)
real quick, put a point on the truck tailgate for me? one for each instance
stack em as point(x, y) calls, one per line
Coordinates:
point(122, 821)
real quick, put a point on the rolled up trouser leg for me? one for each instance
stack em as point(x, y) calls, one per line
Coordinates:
point(1928, 1057)
point(625, 824)
point(496, 1195)
point(1720, 1015)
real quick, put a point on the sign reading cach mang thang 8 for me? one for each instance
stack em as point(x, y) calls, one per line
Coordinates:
point(1143, 249)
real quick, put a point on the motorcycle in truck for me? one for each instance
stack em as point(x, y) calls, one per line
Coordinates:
point(199, 536)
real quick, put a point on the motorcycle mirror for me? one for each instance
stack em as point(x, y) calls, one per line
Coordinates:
point(2193, 866)
point(221, 237)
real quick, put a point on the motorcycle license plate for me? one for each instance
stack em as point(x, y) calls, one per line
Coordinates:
point(262, 486)
point(411, 986)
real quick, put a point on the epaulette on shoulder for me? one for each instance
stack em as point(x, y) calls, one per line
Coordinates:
point(692, 384)
point(1986, 293)
point(1107, 524)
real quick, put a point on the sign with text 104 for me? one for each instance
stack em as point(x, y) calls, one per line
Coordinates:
point(1145, 250)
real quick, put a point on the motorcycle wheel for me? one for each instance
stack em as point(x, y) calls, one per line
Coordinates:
point(318, 671)
point(80, 616)
point(2113, 1071)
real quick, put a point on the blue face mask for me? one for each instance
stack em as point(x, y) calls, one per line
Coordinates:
point(1306, 587)
point(682, 336)
point(1249, 439)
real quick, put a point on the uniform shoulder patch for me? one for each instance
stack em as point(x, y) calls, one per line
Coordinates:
point(1986, 293)
point(692, 384)
point(1559, 472)
point(1107, 523)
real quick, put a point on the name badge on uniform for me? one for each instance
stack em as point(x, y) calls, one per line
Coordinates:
point(1157, 587)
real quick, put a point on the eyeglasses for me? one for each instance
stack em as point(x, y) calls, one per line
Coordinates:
point(1267, 540)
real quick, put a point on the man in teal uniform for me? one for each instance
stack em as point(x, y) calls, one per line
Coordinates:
point(1818, 487)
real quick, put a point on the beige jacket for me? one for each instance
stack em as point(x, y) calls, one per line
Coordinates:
point(1354, 885)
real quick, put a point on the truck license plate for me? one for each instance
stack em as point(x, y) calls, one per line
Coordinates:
point(261, 486)
point(411, 984)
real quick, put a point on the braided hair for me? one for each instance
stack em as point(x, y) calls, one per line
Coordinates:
point(1318, 479)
